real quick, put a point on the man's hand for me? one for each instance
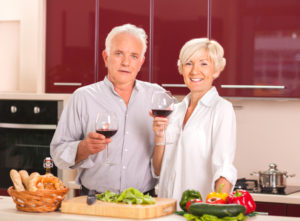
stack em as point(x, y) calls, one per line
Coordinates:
point(93, 143)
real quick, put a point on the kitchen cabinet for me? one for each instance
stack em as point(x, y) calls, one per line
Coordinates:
point(278, 209)
point(261, 39)
point(175, 22)
point(70, 44)
point(114, 13)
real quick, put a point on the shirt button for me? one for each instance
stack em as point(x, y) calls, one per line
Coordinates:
point(124, 167)
point(126, 132)
point(126, 150)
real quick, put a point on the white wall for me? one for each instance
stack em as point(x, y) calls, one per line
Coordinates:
point(268, 131)
point(22, 43)
point(9, 44)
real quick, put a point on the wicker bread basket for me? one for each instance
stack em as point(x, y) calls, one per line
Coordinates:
point(39, 201)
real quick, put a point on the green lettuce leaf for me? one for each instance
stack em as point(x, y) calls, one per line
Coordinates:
point(129, 196)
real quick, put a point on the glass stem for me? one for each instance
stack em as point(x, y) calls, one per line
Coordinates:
point(106, 153)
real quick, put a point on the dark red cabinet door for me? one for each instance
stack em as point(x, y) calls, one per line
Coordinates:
point(70, 44)
point(274, 209)
point(293, 210)
point(114, 13)
point(175, 22)
point(262, 46)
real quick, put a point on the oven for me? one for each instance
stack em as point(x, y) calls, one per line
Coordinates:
point(26, 130)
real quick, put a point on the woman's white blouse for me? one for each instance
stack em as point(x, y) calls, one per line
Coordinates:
point(198, 154)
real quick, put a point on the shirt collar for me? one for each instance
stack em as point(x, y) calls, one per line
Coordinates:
point(109, 84)
point(208, 98)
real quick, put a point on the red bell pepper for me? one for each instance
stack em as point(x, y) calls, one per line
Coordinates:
point(215, 200)
point(242, 197)
point(191, 202)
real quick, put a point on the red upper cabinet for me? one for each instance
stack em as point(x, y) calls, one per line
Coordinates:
point(261, 39)
point(70, 44)
point(175, 22)
point(114, 13)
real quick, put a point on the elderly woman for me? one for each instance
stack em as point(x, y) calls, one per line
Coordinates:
point(201, 132)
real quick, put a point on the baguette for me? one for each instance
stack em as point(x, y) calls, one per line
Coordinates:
point(16, 179)
point(25, 178)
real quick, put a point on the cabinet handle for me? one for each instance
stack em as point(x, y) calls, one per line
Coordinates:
point(67, 84)
point(173, 85)
point(235, 86)
point(28, 126)
point(253, 86)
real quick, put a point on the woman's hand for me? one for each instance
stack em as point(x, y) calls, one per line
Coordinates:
point(227, 186)
point(159, 125)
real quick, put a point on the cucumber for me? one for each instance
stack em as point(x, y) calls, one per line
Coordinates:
point(219, 210)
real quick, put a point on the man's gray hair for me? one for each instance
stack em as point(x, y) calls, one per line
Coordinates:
point(127, 28)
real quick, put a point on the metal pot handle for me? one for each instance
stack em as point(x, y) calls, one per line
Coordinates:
point(254, 173)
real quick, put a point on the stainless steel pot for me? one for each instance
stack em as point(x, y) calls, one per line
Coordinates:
point(272, 178)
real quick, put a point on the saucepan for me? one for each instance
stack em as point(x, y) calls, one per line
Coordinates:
point(272, 178)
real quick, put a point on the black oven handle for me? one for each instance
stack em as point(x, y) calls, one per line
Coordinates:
point(29, 126)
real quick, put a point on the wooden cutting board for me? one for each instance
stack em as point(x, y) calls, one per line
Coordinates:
point(78, 205)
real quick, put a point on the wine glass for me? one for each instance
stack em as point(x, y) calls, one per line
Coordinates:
point(107, 125)
point(162, 104)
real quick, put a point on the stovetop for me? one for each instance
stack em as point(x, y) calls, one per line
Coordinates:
point(253, 187)
point(283, 191)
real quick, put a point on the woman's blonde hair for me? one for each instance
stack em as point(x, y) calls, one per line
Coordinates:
point(195, 46)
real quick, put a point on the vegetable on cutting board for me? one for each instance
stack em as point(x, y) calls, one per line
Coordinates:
point(243, 197)
point(129, 196)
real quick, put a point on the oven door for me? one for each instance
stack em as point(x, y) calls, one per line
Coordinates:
point(23, 147)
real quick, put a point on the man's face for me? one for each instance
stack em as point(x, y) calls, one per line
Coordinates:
point(124, 60)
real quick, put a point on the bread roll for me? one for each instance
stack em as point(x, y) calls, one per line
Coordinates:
point(16, 179)
point(35, 183)
point(25, 178)
point(34, 174)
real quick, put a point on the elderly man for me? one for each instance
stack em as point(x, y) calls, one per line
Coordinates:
point(76, 144)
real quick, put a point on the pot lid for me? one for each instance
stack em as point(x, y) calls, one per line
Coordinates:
point(273, 170)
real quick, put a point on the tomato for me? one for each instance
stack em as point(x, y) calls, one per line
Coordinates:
point(192, 201)
point(215, 200)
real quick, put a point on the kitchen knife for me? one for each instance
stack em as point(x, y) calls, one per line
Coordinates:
point(91, 198)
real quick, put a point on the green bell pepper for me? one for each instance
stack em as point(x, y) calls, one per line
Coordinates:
point(189, 195)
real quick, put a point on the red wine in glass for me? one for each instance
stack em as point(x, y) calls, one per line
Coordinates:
point(107, 125)
point(107, 133)
point(161, 112)
point(162, 104)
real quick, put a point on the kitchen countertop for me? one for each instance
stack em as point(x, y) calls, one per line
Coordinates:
point(8, 212)
point(34, 96)
point(293, 198)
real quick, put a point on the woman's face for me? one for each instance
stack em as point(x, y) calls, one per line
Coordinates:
point(198, 73)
